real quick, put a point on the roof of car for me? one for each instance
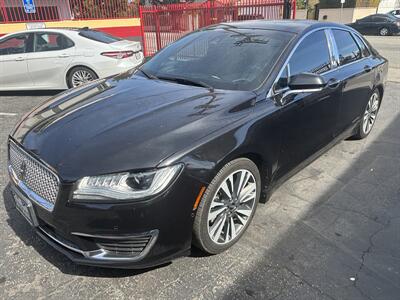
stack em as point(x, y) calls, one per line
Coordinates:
point(294, 26)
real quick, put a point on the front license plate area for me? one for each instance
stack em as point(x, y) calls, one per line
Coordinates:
point(24, 206)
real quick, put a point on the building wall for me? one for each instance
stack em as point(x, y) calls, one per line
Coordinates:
point(301, 14)
point(348, 15)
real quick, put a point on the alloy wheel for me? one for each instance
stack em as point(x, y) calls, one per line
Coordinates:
point(80, 77)
point(232, 206)
point(384, 31)
point(370, 113)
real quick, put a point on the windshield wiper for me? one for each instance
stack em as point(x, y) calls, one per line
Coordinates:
point(148, 75)
point(188, 81)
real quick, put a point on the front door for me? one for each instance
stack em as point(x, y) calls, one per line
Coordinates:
point(308, 120)
point(13, 65)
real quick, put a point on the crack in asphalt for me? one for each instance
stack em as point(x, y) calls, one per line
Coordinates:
point(364, 254)
point(314, 287)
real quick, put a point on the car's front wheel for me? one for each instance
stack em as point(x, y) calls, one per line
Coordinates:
point(227, 206)
point(80, 75)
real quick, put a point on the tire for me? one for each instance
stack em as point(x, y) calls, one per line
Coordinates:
point(384, 31)
point(205, 229)
point(369, 113)
point(80, 75)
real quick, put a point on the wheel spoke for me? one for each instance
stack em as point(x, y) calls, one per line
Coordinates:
point(243, 179)
point(226, 190)
point(221, 225)
point(233, 228)
point(245, 212)
point(212, 215)
point(216, 203)
point(248, 193)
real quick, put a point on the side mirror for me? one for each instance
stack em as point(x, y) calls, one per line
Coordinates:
point(306, 81)
point(301, 83)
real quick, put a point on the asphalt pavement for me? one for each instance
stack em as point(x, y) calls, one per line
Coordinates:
point(331, 232)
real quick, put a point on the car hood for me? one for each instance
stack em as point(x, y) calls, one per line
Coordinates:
point(125, 123)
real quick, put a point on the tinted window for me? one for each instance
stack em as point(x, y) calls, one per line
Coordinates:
point(226, 58)
point(99, 36)
point(312, 55)
point(366, 19)
point(347, 47)
point(364, 50)
point(16, 44)
point(51, 42)
point(380, 19)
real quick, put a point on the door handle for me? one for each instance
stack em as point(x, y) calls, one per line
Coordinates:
point(20, 58)
point(63, 55)
point(333, 83)
point(367, 68)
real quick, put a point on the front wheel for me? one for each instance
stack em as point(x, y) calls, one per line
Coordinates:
point(227, 206)
point(368, 117)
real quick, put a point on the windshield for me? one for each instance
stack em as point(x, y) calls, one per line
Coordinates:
point(224, 58)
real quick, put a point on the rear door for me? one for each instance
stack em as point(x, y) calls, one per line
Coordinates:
point(309, 119)
point(365, 25)
point(13, 64)
point(52, 54)
point(355, 73)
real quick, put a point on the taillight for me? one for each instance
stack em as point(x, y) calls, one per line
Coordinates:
point(118, 54)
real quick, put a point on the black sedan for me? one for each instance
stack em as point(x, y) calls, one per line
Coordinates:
point(378, 24)
point(131, 171)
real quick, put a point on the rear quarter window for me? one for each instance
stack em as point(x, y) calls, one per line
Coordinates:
point(99, 36)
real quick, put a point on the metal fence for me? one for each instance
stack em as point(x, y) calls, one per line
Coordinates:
point(12, 11)
point(163, 24)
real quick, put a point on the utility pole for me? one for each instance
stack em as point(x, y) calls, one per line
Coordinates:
point(341, 10)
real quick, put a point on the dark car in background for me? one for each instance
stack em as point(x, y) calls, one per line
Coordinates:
point(130, 171)
point(377, 24)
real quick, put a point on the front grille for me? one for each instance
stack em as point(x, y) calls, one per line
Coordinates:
point(130, 247)
point(34, 174)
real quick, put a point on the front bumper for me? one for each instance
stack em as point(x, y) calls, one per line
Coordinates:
point(96, 234)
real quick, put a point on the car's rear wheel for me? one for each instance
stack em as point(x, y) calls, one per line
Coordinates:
point(80, 75)
point(227, 206)
point(369, 115)
point(384, 31)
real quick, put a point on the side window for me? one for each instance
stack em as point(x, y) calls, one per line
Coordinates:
point(380, 19)
point(366, 20)
point(347, 47)
point(312, 55)
point(364, 50)
point(51, 42)
point(16, 44)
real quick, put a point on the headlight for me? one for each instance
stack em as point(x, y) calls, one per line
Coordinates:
point(123, 186)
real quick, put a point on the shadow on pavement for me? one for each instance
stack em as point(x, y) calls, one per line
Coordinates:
point(343, 244)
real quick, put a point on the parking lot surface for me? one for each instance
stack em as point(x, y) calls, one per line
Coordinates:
point(331, 232)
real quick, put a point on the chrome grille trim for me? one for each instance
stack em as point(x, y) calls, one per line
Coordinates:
point(33, 177)
point(103, 254)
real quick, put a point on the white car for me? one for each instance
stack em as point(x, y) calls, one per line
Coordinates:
point(42, 59)
point(395, 12)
